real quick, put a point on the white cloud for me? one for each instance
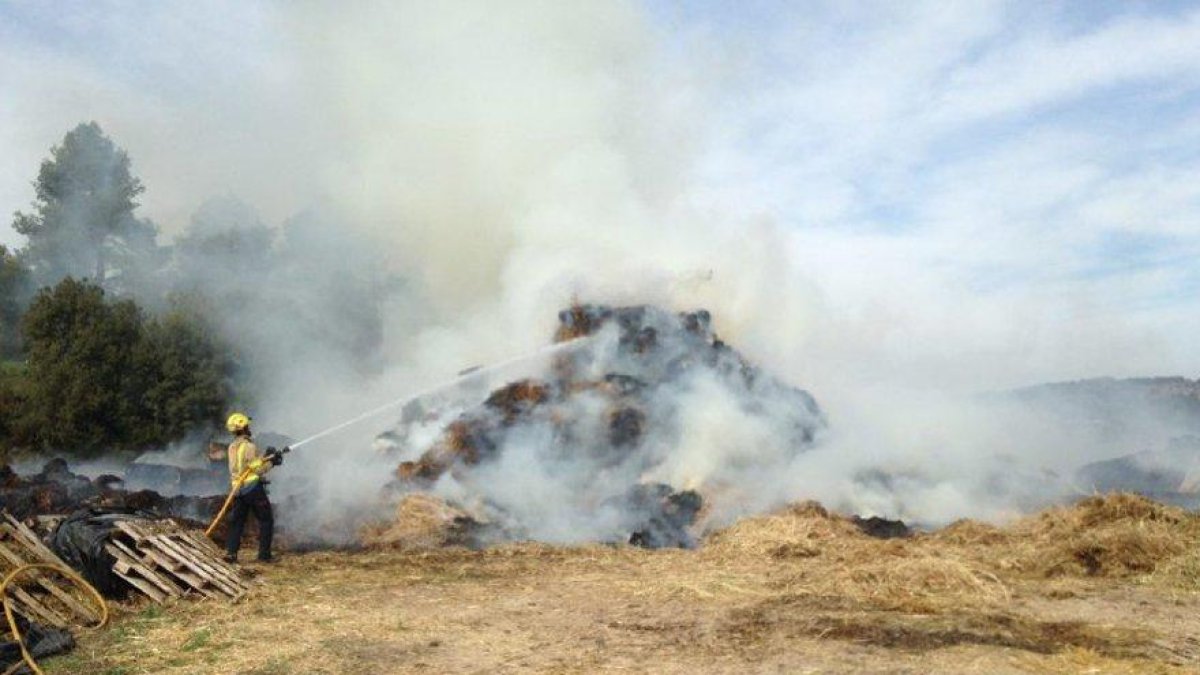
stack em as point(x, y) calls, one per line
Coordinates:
point(962, 177)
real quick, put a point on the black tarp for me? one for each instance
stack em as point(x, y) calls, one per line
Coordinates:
point(79, 540)
point(42, 641)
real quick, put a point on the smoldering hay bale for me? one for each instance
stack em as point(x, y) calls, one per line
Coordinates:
point(422, 521)
point(604, 445)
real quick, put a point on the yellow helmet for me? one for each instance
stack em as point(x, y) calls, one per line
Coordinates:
point(237, 422)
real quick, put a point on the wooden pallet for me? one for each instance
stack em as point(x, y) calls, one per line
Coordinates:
point(162, 560)
point(37, 595)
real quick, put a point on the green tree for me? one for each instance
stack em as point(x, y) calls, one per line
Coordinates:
point(101, 376)
point(83, 221)
point(14, 295)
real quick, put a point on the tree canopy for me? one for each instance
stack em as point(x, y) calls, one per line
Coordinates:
point(83, 221)
point(102, 376)
point(129, 345)
point(15, 289)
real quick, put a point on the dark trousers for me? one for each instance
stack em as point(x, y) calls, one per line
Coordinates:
point(254, 501)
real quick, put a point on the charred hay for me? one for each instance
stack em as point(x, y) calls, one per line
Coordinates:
point(55, 490)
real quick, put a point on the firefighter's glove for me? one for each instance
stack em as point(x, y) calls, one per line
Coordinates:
point(274, 456)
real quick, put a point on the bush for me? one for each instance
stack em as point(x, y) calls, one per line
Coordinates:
point(102, 376)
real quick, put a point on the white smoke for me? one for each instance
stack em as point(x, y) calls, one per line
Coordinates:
point(513, 161)
point(505, 160)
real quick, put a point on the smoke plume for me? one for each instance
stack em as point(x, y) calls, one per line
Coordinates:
point(437, 180)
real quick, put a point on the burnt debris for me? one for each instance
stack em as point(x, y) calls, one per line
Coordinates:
point(882, 528)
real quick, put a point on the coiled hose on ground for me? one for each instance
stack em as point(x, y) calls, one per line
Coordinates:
point(12, 619)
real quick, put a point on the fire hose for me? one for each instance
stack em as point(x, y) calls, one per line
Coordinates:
point(241, 479)
point(12, 620)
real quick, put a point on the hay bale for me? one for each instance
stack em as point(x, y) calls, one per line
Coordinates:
point(422, 521)
point(517, 399)
point(797, 529)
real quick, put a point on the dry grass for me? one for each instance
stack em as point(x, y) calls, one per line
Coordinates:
point(800, 589)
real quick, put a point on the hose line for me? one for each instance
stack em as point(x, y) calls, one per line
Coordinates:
point(12, 619)
point(237, 485)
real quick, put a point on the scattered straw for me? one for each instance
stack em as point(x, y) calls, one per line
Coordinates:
point(1106, 535)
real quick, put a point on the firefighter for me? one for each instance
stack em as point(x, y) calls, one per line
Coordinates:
point(246, 470)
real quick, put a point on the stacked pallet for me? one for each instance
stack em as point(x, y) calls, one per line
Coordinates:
point(42, 597)
point(163, 560)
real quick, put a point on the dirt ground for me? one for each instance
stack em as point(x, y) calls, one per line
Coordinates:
point(797, 592)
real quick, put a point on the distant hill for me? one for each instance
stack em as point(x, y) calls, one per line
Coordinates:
point(1175, 400)
point(1152, 423)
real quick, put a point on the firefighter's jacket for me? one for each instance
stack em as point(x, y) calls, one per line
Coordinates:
point(244, 454)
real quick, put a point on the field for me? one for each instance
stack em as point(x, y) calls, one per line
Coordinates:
point(1110, 585)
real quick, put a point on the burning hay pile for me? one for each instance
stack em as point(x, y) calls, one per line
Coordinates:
point(623, 439)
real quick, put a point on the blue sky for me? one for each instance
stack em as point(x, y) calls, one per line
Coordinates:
point(1028, 171)
point(1020, 149)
